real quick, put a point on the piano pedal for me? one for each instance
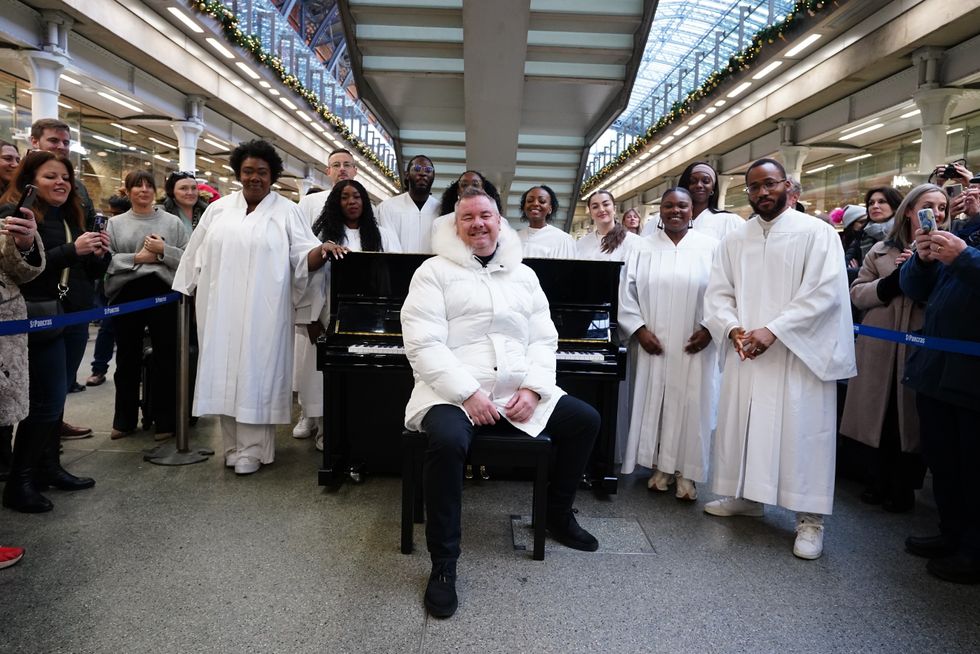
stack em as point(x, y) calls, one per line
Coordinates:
point(468, 473)
point(356, 473)
point(484, 475)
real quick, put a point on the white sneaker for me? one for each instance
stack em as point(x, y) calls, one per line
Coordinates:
point(809, 537)
point(660, 481)
point(305, 427)
point(318, 442)
point(729, 506)
point(246, 465)
point(686, 490)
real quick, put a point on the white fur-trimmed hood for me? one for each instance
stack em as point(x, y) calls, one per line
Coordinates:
point(446, 243)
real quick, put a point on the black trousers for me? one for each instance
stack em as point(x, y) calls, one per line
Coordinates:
point(572, 427)
point(951, 446)
point(129, 328)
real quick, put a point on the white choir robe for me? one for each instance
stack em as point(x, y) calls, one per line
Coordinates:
point(412, 226)
point(675, 393)
point(590, 247)
point(312, 205)
point(776, 436)
point(250, 278)
point(548, 242)
point(717, 225)
point(307, 380)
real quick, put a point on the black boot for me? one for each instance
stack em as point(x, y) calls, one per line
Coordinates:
point(20, 493)
point(50, 471)
point(440, 593)
point(6, 436)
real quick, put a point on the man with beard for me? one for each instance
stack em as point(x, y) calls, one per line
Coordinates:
point(778, 295)
point(410, 214)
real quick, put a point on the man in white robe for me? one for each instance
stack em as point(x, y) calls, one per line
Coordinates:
point(248, 263)
point(410, 215)
point(778, 302)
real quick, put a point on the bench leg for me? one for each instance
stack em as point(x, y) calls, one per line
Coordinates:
point(408, 500)
point(540, 506)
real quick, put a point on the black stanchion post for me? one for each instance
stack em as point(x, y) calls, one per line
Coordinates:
point(181, 453)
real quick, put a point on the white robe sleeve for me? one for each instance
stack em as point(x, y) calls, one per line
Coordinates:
point(630, 318)
point(720, 311)
point(189, 270)
point(818, 318)
point(309, 289)
point(425, 330)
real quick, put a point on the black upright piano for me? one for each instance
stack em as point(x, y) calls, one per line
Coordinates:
point(367, 380)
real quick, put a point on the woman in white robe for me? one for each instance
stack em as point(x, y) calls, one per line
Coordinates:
point(252, 265)
point(610, 241)
point(675, 386)
point(541, 240)
point(348, 220)
point(701, 181)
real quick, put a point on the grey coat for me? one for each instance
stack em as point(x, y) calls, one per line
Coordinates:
point(14, 270)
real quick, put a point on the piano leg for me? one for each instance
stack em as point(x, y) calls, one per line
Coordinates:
point(330, 474)
point(604, 480)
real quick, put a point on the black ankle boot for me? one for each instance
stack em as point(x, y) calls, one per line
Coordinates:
point(6, 436)
point(440, 593)
point(20, 493)
point(50, 471)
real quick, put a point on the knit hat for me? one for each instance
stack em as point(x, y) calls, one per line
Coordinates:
point(852, 213)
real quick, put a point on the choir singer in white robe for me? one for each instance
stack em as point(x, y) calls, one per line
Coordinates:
point(252, 265)
point(778, 300)
point(541, 240)
point(675, 387)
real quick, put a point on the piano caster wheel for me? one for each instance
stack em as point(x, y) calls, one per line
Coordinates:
point(484, 475)
point(356, 474)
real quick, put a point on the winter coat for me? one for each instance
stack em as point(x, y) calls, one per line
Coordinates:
point(470, 327)
point(15, 270)
point(881, 364)
point(952, 294)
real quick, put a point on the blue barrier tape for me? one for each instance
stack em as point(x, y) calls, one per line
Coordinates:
point(928, 342)
point(37, 324)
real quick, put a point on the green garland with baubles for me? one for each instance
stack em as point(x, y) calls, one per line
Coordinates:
point(738, 62)
point(233, 31)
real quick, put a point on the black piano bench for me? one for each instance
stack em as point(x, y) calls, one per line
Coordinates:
point(513, 449)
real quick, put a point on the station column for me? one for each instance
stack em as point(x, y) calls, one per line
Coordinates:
point(47, 63)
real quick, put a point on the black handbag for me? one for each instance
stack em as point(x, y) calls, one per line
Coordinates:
point(41, 309)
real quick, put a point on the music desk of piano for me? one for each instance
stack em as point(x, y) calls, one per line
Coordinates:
point(367, 379)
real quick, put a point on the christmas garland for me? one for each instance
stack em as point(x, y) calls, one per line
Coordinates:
point(738, 62)
point(250, 42)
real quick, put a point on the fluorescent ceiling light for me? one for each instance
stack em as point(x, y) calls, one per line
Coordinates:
point(739, 90)
point(954, 130)
point(916, 141)
point(99, 137)
point(768, 69)
point(909, 114)
point(163, 143)
point(711, 110)
point(220, 146)
point(859, 132)
point(305, 116)
point(186, 20)
point(235, 181)
point(289, 103)
point(859, 157)
point(655, 148)
point(680, 130)
point(71, 80)
point(64, 106)
point(697, 119)
point(264, 84)
point(120, 101)
point(227, 167)
point(803, 45)
point(216, 44)
point(721, 103)
point(124, 128)
point(159, 158)
point(248, 71)
point(819, 169)
point(859, 126)
point(222, 179)
point(667, 140)
point(210, 161)
point(273, 92)
point(237, 82)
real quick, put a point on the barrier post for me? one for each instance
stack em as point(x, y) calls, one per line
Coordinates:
point(180, 453)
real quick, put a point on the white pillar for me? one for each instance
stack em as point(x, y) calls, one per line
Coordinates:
point(793, 157)
point(306, 182)
point(46, 69)
point(935, 105)
point(187, 132)
point(724, 181)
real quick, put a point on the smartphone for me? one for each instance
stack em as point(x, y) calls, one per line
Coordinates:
point(953, 190)
point(99, 223)
point(927, 220)
point(27, 199)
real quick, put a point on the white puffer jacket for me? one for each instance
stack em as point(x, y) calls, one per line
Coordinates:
point(468, 327)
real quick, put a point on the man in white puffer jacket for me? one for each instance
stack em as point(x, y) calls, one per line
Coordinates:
point(479, 336)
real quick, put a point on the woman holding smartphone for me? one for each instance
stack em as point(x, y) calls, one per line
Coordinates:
point(67, 246)
point(146, 244)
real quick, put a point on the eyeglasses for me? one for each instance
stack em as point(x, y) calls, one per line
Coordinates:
point(346, 165)
point(769, 184)
point(422, 169)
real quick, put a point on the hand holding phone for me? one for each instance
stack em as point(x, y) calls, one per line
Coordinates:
point(27, 199)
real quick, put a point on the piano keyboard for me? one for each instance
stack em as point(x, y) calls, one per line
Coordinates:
point(398, 349)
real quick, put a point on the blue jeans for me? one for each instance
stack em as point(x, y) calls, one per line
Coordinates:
point(75, 337)
point(105, 340)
